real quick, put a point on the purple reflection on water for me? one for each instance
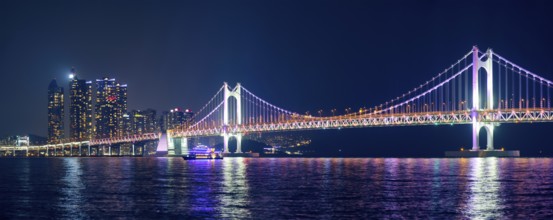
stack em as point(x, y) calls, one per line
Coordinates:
point(486, 188)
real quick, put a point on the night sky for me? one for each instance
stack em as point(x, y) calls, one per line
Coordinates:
point(299, 55)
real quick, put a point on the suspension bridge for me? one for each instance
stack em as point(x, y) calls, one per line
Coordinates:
point(481, 88)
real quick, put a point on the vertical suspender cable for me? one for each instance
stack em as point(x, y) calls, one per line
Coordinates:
point(466, 86)
point(441, 94)
point(452, 90)
point(506, 94)
point(527, 101)
point(534, 92)
point(446, 91)
point(435, 92)
point(519, 90)
point(512, 86)
point(499, 84)
point(541, 93)
point(459, 86)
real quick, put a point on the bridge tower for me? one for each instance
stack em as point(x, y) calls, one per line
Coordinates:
point(236, 93)
point(476, 105)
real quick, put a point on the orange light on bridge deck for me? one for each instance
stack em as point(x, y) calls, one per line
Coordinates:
point(502, 149)
point(462, 149)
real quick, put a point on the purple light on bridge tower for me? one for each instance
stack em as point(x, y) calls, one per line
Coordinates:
point(162, 144)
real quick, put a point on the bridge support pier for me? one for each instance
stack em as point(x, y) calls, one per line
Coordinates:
point(177, 146)
point(184, 146)
point(226, 139)
point(238, 143)
point(489, 128)
point(225, 143)
point(170, 144)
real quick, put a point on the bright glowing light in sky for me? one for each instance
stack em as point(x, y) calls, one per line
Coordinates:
point(71, 76)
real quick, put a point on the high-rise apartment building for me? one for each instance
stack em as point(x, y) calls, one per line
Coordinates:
point(80, 108)
point(55, 113)
point(111, 105)
point(140, 122)
point(175, 118)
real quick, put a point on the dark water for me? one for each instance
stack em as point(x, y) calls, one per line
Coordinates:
point(282, 188)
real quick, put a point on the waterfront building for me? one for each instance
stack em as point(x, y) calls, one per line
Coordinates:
point(80, 108)
point(34, 140)
point(149, 121)
point(174, 118)
point(140, 122)
point(188, 117)
point(163, 122)
point(111, 105)
point(55, 113)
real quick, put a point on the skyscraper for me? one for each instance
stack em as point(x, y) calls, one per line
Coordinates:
point(140, 122)
point(80, 108)
point(188, 117)
point(175, 118)
point(55, 113)
point(171, 119)
point(111, 104)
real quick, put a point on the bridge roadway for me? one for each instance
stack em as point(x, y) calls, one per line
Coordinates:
point(95, 147)
point(518, 115)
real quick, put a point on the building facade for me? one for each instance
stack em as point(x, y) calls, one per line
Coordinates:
point(175, 118)
point(140, 122)
point(111, 105)
point(56, 113)
point(80, 108)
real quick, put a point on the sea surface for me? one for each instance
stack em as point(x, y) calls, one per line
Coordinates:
point(276, 188)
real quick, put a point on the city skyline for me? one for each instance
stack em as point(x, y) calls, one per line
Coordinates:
point(109, 99)
point(302, 61)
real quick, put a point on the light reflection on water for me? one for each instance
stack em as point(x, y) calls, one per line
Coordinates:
point(234, 196)
point(481, 188)
point(484, 186)
point(71, 188)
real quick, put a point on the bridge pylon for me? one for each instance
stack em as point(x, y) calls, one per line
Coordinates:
point(236, 92)
point(487, 65)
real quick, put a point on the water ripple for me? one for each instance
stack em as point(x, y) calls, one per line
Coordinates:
point(256, 188)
